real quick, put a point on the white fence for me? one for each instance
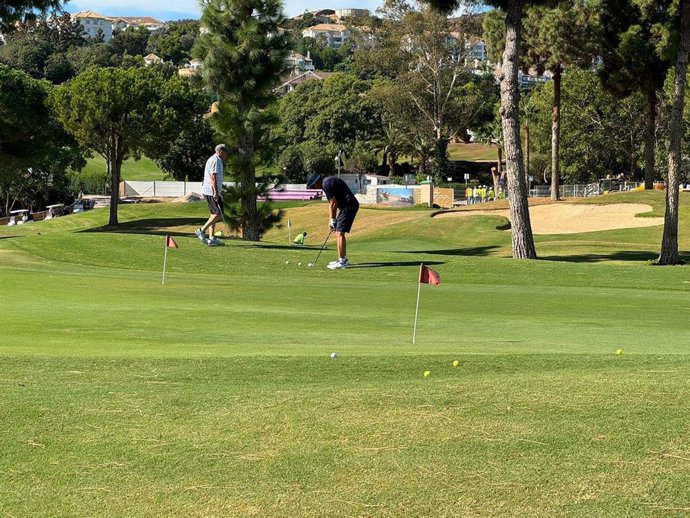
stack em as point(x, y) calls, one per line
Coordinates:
point(160, 189)
point(130, 189)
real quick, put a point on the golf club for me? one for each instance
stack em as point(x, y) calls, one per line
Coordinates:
point(221, 208)
point(322, 248)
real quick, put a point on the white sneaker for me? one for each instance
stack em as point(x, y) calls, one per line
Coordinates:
point(199, 233)
point(333, 262)
point(339, 264)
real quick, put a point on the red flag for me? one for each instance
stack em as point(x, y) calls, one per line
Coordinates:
point(428, 276)
point(170, 242)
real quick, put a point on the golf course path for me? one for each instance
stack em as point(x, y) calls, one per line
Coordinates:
point(569, 218)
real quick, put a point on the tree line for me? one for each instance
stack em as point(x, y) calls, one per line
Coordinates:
point(618, 72)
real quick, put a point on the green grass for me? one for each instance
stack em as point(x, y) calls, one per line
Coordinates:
point(134, 170)
point(214, 395)
point(472, 152)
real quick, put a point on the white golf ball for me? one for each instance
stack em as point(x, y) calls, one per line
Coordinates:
point(287, 262)
point(334, 356)
point(310, 265)
point(299, 264)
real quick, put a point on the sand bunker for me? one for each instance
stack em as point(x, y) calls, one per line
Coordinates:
point(568, 218)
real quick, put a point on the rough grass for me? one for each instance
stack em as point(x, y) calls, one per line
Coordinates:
point(215, 394)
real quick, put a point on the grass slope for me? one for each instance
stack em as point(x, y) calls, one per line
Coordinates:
point(214, 395)
point(144, 169)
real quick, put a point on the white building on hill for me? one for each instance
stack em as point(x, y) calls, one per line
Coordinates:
point(334, 34)
point(150, 23)
point(92, 23)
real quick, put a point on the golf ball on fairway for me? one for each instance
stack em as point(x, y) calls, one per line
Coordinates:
point(427, 374)
point(310, 265)
point(456, 363)
point(299, 264)
point(619, 352)
point(287, 262)
point(334, 356)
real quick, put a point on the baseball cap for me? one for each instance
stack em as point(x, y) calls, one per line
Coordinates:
point(313, 180)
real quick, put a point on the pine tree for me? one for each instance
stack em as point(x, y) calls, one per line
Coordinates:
point(243, 49)
point(669, 245)
point(635, 49)
point(522, 237)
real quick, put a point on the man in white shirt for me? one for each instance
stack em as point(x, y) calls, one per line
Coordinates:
point(211, 189)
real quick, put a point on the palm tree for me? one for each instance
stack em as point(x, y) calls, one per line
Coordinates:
point(391, 142)
point(492, 134)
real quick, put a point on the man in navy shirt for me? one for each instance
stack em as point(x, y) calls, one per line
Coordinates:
point(342, 209)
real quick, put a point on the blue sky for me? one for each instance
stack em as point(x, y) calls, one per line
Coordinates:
point(177, 9)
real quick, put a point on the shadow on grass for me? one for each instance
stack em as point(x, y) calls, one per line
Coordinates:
point(287, 247)
point(155, 226)
point(632, 256)
point(478, 251)
point(388, 264)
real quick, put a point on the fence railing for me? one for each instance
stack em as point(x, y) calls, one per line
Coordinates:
point(582, 190)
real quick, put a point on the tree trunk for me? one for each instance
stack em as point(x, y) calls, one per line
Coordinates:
point(250, 214)
point(650, 140)
point(115, 164)
point(556, 134)
point(522, 239)
point(527, 153)
point(669, 244)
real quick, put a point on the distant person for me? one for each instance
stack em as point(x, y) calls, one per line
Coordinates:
point(342, 209)
point(475, 195)
point(490, 195)
point(468, 195)
point(299, 239)
point(211, 188)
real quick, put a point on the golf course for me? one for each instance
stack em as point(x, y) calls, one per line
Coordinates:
point(216, 393)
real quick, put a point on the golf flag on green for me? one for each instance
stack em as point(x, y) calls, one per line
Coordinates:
point(426, 276)
point(169, 243)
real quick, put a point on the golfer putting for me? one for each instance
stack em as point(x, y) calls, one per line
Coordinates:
point(211, 189)
point(342, 209)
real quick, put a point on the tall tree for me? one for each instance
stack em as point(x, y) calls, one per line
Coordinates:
point(243, 50)
point(174, 42)
point(522, 237)
point(602, 131)
point(40, 47)
point(557, 38)
point(669, 245)
point(12, 11)
point(554, 39)
point(33, 145)
point(120, 113)
point(636, 57)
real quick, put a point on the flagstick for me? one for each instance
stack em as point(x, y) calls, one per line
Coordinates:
point(416, 311)
point(165, 260)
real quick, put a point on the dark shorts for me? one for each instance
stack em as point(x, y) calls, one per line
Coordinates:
point(345, 218)
point(213, 206)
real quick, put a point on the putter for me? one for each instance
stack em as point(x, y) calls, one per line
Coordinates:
point(322, 247)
